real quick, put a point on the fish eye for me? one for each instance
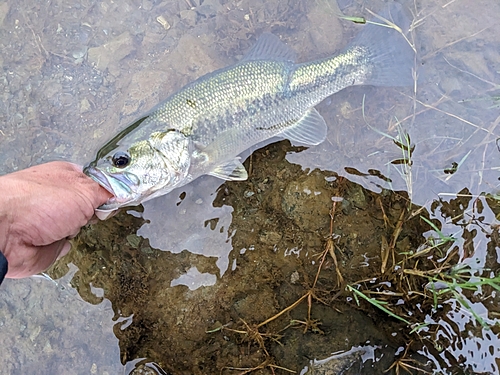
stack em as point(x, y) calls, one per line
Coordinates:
point(121, 159)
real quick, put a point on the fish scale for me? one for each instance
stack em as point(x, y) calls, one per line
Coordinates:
point(225, 98)
point(203, 127)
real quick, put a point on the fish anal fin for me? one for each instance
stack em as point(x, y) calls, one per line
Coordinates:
point(232, 170)
point(310, 129)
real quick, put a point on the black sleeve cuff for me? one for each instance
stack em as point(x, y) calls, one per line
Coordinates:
point(3, 267)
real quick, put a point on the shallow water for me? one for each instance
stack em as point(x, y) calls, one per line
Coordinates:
point(150, 283)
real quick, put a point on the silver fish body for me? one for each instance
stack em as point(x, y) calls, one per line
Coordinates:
point(203, 127)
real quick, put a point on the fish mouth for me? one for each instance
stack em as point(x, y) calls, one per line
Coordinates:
point(117, 184)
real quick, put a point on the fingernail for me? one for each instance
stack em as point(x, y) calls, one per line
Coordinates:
point(64, 250)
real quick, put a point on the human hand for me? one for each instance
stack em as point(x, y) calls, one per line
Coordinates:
point(40, 208)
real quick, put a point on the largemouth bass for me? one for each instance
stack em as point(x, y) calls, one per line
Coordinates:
point(203, 127)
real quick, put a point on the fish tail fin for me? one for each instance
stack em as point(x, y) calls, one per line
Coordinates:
point(387, 50)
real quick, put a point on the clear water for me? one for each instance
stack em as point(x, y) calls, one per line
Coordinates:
point(73, 73)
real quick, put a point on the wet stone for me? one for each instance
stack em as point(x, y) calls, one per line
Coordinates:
point(357, 197)
point(208, 10)
point(140, 90)
point(144, 370)
point(147, 5)
point(112, 52)
point(201, 62)
point(84, 105)
point(4, 9)
point(189, 17)
point(133, 240)
point(327, 35)
point(306, 200)
point(270, 237)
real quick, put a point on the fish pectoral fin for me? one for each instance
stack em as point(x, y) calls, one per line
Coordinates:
point(232, 170)
point(310, 129)
point(269, 47)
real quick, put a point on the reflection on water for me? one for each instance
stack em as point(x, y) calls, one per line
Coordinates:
point(74, 71)
point(210, 236)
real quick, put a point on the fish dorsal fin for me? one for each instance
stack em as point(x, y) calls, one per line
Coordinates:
point(232, 170)
point(310, 129)
point(270, 47)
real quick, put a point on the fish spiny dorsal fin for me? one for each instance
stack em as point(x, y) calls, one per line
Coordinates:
point(270, 47)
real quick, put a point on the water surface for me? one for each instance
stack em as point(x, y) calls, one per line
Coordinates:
point(150, 283)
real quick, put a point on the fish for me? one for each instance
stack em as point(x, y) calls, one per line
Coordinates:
point(204, 127)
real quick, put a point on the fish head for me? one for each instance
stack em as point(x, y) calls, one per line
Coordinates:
point(136, 174)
